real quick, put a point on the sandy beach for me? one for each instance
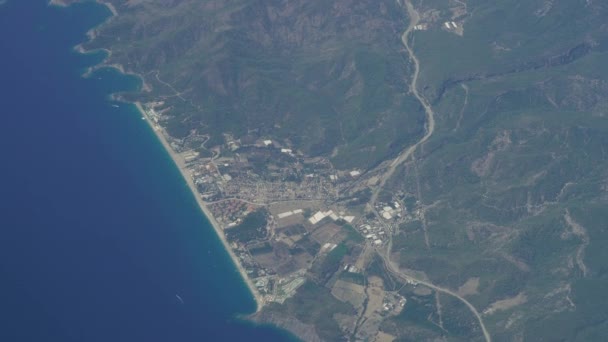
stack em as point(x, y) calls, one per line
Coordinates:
point(177, 159)
point(64, 3)
point(61, 3)
point(181, 165)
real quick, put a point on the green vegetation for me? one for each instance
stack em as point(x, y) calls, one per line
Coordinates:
point(419, 311)
point(337, 83)
point(353, 235)
point(311, 246)
point(376, 268)
point(519, 142)
point(511, 186)
point(355, 278)
point(331, 263)
point(313, 304)
point(262, 249)
point(458, 321)
point(297, 229)
point(253, 227)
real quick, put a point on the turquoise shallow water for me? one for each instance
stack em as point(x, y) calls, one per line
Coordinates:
point(99, 233)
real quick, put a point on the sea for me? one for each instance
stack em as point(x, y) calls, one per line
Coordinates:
point(100, 238)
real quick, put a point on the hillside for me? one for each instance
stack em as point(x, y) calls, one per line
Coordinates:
point(489, 178)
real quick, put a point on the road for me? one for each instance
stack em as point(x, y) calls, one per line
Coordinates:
point(403, 156)
point(430, 115)
point(394, 270)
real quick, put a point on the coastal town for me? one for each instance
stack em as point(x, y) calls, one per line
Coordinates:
point(288, 218)
point(375, 170)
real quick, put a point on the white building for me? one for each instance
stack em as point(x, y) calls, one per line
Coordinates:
point(349, 219)
point(318, 216)
point(285, 214)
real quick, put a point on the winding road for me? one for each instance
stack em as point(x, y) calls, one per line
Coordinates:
point(403, 156)
point(430, 115)
point(394, 270)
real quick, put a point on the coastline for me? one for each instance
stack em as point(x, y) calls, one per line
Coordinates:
point(181, 165)
point(177, 159)
point(63, 3)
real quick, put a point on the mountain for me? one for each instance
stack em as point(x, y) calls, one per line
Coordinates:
point(478, 132)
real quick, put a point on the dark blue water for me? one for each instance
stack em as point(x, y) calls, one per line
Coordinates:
point(98, 232)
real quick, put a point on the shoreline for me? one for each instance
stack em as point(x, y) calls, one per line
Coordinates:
point(181, 165)
point(63, 3)
point(178, 161)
